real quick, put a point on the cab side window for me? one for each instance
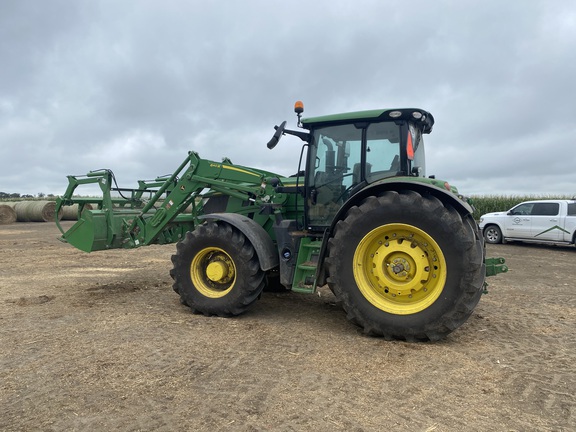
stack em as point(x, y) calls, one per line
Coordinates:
point(382, 151)
point(572, 209)
point(545, 209)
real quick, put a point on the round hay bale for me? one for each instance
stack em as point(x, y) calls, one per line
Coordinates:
point(71, 212)
point(7, 214)
point(36, 211)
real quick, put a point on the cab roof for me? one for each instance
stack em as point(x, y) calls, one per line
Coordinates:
point(415, 115)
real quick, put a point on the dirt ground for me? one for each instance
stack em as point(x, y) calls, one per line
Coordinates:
point(101, 342)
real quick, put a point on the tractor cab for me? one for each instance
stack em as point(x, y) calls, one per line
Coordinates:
point(348, 152)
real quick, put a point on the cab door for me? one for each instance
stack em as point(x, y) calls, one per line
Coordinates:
point(333, 168)
point(518, 222)
point(546, 221)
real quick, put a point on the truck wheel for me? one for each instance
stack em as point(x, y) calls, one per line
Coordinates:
point(216, 270)
point(492, 234)
point(406, 266)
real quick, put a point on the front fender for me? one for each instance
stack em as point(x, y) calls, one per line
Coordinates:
point(265, 248)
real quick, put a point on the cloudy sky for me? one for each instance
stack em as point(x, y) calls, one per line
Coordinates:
point(134, 85)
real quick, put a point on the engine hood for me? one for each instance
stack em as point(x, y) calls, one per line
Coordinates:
point(495, 214)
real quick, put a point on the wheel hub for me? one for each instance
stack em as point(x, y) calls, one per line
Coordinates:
point(216, 271)
point(400, 266)
point(213, 272)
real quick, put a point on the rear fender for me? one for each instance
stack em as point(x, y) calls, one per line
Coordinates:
point(263, 244)
point(442, 194)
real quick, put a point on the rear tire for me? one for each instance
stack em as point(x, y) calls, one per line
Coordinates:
point(492, 234)
point(406, 266)
point(216, 270)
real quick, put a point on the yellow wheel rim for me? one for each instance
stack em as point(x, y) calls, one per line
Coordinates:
point(399, 268)
point(213, 272)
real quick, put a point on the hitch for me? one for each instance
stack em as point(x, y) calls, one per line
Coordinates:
point(495, 266)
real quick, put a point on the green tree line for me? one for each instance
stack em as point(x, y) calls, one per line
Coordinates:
point(16, 196)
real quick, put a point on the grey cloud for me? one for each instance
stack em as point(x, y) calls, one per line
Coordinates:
point(106, 84)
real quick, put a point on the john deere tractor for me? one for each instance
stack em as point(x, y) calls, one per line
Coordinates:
point(398, 249)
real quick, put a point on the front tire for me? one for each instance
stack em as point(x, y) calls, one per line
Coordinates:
point(216, 270)
point(492, 234)
point(406, 266)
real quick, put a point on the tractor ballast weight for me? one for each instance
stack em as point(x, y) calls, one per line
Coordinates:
point(399, 250)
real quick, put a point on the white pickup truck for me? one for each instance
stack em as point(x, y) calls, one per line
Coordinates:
point(542, 221)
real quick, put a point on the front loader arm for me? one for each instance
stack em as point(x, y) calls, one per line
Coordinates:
point(191, 178)
point(135, 221)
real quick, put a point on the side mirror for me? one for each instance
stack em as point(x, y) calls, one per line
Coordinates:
point(276, 137)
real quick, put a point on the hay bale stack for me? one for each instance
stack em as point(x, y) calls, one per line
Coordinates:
point(7, 214)
point(36, 211)
point(71, 212)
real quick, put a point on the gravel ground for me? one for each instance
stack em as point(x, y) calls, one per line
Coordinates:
point(101, 342)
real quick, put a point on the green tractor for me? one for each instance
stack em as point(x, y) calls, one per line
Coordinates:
point(399, 250)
